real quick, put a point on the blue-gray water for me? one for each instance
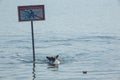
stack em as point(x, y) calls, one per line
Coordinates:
point(99, 55)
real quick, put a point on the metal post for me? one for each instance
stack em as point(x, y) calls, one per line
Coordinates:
point(33, 47)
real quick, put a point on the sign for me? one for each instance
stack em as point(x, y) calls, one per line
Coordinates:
point(31, 13)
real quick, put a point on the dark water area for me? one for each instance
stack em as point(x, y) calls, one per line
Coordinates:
point(98, 55)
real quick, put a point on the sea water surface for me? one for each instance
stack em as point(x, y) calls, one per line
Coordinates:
point(98, 55)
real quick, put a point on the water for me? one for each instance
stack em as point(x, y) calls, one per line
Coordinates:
point(96, 54)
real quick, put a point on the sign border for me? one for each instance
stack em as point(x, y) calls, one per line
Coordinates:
point(31, 6)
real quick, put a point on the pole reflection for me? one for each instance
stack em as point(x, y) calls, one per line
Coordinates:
point(34, 75)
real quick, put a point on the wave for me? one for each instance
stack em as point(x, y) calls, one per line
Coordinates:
point(56, 43)
point(80, 38)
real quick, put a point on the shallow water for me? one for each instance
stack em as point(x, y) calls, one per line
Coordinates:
point(98, 55)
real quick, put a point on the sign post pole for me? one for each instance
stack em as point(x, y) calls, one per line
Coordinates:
point(33, 45)
point(31, 13)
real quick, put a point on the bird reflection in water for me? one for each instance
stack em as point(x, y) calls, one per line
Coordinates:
point(53, 68)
